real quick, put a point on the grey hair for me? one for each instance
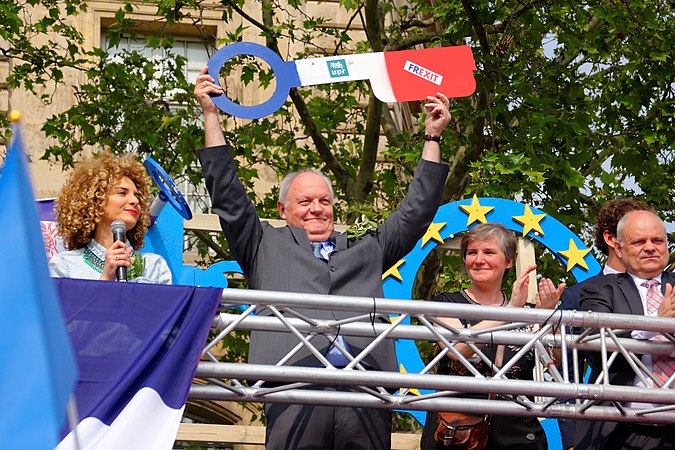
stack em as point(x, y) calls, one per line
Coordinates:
point(506, 239)
point(289, 178)
point(622, 223)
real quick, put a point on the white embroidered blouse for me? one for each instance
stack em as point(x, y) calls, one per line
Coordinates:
point(73, 264)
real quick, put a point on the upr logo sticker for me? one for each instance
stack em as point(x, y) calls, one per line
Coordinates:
point(337, 68)
point(422, 72)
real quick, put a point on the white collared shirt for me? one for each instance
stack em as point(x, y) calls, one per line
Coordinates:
point(609, 270)
point(644, 335)
point(639, 334)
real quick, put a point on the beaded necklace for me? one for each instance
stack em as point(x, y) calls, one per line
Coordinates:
point(92, 260)
point(505, 298)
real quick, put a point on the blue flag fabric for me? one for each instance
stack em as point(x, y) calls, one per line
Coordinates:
point(137, 346)
point(37, 366)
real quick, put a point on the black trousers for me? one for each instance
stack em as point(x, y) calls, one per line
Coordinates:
point(628, 436)
point(314, 427)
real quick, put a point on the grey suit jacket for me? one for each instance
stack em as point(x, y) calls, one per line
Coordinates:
point(280, 259)
point(618, 294)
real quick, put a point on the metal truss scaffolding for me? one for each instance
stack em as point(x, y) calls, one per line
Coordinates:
point(557, 390)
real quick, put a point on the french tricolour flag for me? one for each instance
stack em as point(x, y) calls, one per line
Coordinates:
point(37, 365)
point(137, 347)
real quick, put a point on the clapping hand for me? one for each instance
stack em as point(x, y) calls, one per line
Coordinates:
point(667, 308)
point(520, 286)
point(548, 295)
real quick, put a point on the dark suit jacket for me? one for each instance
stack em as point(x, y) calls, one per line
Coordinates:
point(572, 294)
point(618, 294)
point(570, 301)
point(280, 259)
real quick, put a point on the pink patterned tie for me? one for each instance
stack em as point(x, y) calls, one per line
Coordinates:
point(663, 366)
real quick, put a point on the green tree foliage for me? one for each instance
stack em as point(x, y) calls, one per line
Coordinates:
point(574, 101)
point(41, 47)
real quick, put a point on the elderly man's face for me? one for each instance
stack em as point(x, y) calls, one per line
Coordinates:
point(643, 245)
point(309, 206)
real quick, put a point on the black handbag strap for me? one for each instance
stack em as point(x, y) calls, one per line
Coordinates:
point(499, 359)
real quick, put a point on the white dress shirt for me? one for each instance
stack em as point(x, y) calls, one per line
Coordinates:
point(644, 335)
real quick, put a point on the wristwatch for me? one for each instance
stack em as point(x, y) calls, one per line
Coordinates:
point(431, 137)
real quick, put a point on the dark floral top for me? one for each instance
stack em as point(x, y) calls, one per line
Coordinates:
point(522, 370)
point(505, 432)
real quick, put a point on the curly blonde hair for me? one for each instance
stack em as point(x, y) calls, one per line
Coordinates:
point(83, 199)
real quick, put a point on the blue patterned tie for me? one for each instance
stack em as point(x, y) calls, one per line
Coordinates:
point(334, 356)
point(316, 249)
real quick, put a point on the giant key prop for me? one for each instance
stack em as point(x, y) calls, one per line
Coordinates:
point(398, 76)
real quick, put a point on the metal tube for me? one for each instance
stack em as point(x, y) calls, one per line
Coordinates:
point(471, 312)
point(417, 332)
point(516, 397)
point(501, 386)
point(467, 406)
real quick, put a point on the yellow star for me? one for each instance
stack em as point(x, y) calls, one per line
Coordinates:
point(413, 391)
point(575, 256)
point(530, 221)
point(433, 233)
point(393, 271)
point(475, 211)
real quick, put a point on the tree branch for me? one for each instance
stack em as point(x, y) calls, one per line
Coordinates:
point(241, 12)
point(353, 17)
point(404, 44)
point(342, 177)
point(374, 22)
point(206, 239)
point(458, 177)
point(478, 27)
point(596, 162)
point(364, 178)
point(332, 163)
point(519, 11)
point(566, 61)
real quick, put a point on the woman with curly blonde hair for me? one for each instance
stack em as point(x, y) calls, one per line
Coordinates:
point(99, 191)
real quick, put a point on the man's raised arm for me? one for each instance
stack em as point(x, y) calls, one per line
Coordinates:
point(213, 133)
point(438, 117)
point(229, 201)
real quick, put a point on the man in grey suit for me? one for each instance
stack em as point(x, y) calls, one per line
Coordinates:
point(642, 246)
point(308, 256)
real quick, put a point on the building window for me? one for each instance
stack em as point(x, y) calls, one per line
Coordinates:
point(192, 49)
point(196, 53)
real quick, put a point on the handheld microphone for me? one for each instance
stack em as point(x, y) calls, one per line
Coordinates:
point(119, 228)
